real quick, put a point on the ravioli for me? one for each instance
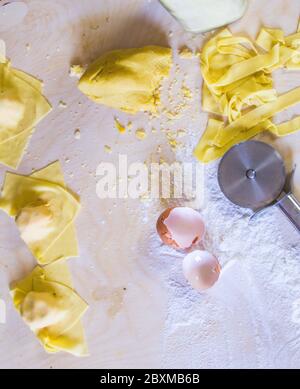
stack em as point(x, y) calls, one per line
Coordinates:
point(45, 211)
point(129, 79)
point(52, 309)
point(238, 87)
point(22, 107)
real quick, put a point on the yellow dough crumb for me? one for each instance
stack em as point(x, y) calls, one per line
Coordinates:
point(129, 79)
point(76, 71)
point(44, 211)
point(186, 53)
point(172, 139)
point(181, 133)
point(62, 104)
point(52, 309)
point(140, 134)
point(77, 134)
point(187, 93)
point(120, 126)
point(107, 149)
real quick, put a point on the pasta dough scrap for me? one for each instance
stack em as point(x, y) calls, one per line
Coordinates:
point(287, 128)
point(44, 210)
point(268, 38)
point(206, 151)
point(238, 86)
point(129, 79)
point(52, 309)
point(257, 115)
point(22, 107)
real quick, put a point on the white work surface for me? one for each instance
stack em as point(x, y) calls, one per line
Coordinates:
point(142, 313)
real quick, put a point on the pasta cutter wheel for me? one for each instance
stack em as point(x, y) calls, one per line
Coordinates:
point(252, 175)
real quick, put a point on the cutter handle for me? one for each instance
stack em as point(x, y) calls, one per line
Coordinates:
point(290, 206)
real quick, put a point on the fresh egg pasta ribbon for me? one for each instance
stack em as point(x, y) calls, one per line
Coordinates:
point(257, 115)
point(238, 87)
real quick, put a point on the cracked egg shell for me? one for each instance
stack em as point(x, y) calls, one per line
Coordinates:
point(180, 227)
point(201, 269)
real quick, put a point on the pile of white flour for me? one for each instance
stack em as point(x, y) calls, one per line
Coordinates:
point(251, 318)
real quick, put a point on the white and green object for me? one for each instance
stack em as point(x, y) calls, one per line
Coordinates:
point(205, 15)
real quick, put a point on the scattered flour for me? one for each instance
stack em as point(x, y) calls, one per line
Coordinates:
point(246, 320)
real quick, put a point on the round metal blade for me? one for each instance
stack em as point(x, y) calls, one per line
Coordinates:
point(252, 174)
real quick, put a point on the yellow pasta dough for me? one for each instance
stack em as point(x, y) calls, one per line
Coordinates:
point(238, 86)
point(207, 151)
point(129, 79)
point(44, 210)
point(256, 116)
point(22, 107)
point(52, 309)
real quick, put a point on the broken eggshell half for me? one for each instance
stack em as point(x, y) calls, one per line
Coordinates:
point(180, 227)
